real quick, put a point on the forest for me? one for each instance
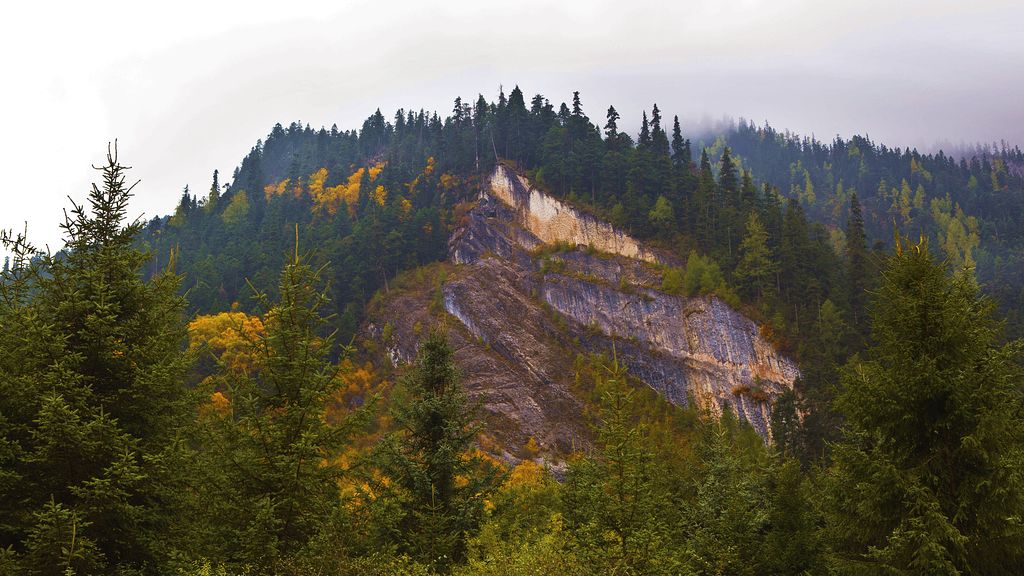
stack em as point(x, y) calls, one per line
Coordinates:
point(193, 394)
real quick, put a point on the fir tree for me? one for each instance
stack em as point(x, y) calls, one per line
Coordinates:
point(91, 371)
point(438, 481)
point(727, 181)
point(680, 147)
point(856, 267)
point(611, 127)
point(756, 268)
point(214, 191)
point(645, 134)
point(659, 140)
point(705, 204)
point(927, 478)
point(267, 491)
point(611, 500)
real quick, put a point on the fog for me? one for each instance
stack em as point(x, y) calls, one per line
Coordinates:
point(189, 89)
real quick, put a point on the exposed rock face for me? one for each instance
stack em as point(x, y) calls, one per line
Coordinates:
point(524, 310)
point(551, 221)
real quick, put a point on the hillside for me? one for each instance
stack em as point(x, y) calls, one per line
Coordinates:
point(378, 352)
point(788, 229)
point(536, 284)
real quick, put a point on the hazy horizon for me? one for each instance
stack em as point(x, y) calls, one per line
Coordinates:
point(190, 90)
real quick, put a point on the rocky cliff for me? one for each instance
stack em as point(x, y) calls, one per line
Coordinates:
point(533, 282)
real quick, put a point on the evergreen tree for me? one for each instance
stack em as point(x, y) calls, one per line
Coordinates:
point(611, 127)
point(757, 268)
point(611, 500)
point(91, 396)
point(437, 480)
point(927, 478)
point(214, 191)
point(794, 249)
point(705, 204)
point(680, 147)
point(577, 107)
point(659, 140)
point(644, 141)
point(266, 490)
point(727, 181)
point(725, 521)
point(792, 541)
point(856, 267)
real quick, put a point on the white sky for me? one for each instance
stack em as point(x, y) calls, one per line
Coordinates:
point(190, 87)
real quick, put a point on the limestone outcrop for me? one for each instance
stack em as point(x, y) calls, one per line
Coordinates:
point(534, 281)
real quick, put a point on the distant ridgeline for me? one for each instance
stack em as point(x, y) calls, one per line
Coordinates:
point(784, 225)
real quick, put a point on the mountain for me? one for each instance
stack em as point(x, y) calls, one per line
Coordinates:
point(506, 342)
point(789, 230)
point(533, 283)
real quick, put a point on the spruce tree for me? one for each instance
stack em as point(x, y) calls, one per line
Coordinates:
point(725, 519)
point(644, 141)
point(757, 268)
point(680, 147)
point(611, 127)
point(436, 480)
point(611, 498)
point(267, 473)
point(659, 140)
point(856, 269)
point(927, 479)
point(214, 191)
point(705, 204)
point(727, 181)
point(91, 396)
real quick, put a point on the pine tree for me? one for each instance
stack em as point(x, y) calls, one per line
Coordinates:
point(659, 140)
point(856, 268)
point(268, 479)
point(441, 484)
point(680, 147)
point(91, 371)
point(611, 499)
point(756, 268)
point(645, 134)
point(927, 478)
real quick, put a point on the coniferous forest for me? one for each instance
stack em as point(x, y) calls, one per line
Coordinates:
point(197, 394)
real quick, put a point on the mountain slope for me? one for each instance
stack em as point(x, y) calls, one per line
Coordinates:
point(536, 282)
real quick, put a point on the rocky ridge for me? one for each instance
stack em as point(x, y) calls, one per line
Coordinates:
point(536, 281)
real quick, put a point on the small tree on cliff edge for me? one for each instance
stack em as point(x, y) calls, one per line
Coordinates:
point(927, 480)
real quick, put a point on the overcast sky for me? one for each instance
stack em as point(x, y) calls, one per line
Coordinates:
point(190, 86)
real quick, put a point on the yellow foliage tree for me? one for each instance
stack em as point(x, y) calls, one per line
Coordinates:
point(237, 209)
point(447, 181)
point(380, 195)
point(375, 170)
point(276, 189)
point(316, 183)
point(228, 336)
